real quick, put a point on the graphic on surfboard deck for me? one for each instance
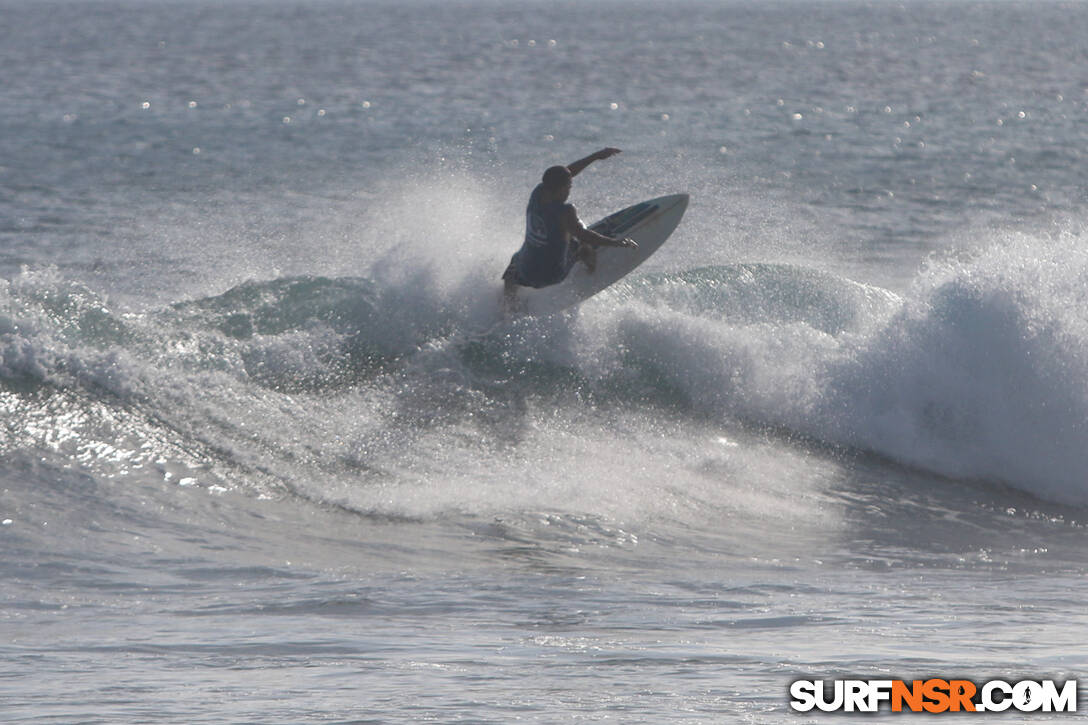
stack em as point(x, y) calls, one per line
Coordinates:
point(649, 223)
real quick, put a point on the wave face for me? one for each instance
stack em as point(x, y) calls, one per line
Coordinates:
point(392, 395)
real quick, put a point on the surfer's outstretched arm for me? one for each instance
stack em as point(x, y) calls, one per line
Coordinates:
point(577, 167)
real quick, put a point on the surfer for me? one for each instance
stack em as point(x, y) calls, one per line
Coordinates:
point(555, 238)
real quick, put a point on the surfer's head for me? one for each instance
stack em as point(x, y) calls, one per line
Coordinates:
point(556, 181)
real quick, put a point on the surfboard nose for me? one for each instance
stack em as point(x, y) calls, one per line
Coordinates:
point(667, 202)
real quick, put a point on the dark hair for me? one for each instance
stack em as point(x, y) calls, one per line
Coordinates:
point(556, 177)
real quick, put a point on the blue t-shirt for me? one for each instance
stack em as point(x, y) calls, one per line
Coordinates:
point(545, 256)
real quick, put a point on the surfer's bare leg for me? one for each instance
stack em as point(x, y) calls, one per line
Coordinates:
point(509, 297)
point(587, 255)
point(510, 289)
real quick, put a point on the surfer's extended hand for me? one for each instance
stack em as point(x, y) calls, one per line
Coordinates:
point(628, 243)
point(605, 153)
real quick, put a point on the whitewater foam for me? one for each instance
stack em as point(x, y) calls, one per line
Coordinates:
point(982, 373)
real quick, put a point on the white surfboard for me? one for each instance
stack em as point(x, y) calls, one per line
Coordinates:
point(649, 223)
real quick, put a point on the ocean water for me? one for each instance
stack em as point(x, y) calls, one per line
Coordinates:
point(268, 454)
